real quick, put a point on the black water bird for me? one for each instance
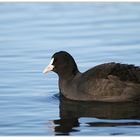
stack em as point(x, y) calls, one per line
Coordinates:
point(111, 82)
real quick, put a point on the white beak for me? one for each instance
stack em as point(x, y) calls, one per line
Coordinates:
point(50, 67)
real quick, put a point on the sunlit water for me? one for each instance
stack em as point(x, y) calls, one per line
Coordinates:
point(93, 33)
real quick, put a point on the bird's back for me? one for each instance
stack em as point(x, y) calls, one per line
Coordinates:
point(123, 72)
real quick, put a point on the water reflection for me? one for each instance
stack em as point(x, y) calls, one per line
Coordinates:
point(65, 126)
point(105, 114)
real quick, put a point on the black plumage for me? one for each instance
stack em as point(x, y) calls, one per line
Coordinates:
point(106, 82)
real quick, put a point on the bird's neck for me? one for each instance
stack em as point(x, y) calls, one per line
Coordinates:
point(68, 74)
point(67, 86)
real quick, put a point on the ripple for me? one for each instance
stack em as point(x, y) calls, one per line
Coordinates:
point(53, 98)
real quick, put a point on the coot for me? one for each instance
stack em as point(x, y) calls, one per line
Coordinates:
point(111, 82)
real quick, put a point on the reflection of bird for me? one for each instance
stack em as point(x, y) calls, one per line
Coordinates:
point(65, 126)
point(102, 110)
point(95, 114)
point(106, 82)
point(62, 126)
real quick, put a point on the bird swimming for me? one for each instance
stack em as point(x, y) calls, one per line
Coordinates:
point(111, 82)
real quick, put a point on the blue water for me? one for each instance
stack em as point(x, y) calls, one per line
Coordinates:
point(93, 33)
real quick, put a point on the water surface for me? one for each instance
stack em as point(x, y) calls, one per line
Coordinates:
point(93, 33)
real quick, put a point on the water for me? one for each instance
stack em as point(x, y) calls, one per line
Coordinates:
point(93, 33)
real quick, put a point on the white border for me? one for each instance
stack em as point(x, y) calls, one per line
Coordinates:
point(70, 138)
point(69, 0)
